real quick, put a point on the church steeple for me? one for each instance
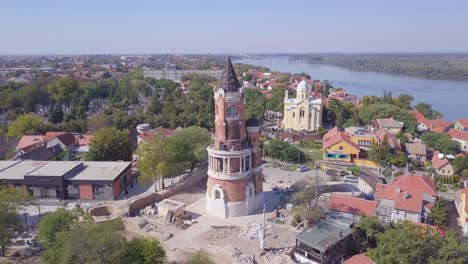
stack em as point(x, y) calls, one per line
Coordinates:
point(229, 81)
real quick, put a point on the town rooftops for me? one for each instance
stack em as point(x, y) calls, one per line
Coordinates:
point(28, 141)
point(408, 192)
point(336, 137)
point(352, 205)
point(421, 118)
point(439, 125)
point(416, 148)
point(326, 233)
point(438, 162)
point(391, 139)
point(458, 134)
point(463, 122)
point(164, 132)
point(389, 123)
point(19, 169)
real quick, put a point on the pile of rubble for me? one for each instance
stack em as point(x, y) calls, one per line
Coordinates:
point(220, 232)
point(252, 230)
point(153, 230)
point(240, 258)
point(149, 210)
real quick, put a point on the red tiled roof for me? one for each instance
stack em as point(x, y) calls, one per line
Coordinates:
point(392, 139)
point(420, 118)
point(352, 205)
point(359, 259)
point(28, 141)
point(418, 182)
point(438, 163)
point(337, 138)
point(439, 125)
point(463, 122)
point(407, 191)
point(458, 134)
point(165, 132)
point(332, 132)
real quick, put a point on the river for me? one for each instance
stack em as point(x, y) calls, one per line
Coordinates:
point(446, 96)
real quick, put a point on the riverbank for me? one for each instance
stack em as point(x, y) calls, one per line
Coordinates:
point(446, 96)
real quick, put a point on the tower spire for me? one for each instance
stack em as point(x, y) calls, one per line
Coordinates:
point(229, 81)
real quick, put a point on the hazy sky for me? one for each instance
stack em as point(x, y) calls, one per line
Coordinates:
point(245, 26)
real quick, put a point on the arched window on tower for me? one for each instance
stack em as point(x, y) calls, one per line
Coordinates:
point(231, 111)
point(217, 195)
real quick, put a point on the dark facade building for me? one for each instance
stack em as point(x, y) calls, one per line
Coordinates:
point(68, 179)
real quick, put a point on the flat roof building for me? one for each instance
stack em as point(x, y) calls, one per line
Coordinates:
point(103, 180)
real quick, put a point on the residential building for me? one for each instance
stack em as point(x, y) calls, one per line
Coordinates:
point(303, 112)
point(235, 180)
point(439, 125)
point(461, 203)
point(441, 164)
point(324, 243)
point(45, 147)
point(423, 123)
point(368, 180)
point(461, 136)
point(461, 125)
point(352, 207)
point(352, 146)
point(174, 74)
point(416, 151)
point(68, 179)
point(407, 197)
point(146, 136)
point(390, 124)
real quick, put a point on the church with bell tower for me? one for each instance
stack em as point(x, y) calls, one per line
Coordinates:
point(235, 180)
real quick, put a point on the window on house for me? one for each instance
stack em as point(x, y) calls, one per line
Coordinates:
point(232, 111)
point(340, 147)
point(217, 195)
point(329, 155)
point(342, 156)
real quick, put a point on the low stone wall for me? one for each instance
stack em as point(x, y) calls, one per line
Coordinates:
point(137, 203)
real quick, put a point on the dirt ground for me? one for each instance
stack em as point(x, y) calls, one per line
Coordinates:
point(221, 237)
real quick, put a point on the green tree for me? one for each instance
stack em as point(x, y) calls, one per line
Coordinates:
point(255, 104)
point(64, 89)
point(52, 224)
point(97, 122)
point(110, 144)
point(365, 232)
point(441, 142)
point(10, 202)
point(276, 102)
point(426, 110)
point(284, 151)
point(145, 251)
point(25, 125)
point(439, 213)
point(460, 164)
point(56, 114)
point(381, 153)
point(399, 160)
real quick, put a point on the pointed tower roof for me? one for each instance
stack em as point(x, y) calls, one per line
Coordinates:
point(229, 81)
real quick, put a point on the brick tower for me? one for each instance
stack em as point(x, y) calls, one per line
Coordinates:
point(235, 162)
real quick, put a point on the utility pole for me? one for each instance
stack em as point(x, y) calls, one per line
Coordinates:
point(262, 234)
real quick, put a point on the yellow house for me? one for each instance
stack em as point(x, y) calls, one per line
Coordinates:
point(302, 112)
point(338, 146)
point(461, 202)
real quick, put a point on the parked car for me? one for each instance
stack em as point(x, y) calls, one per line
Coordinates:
point(289, 140)
point(303, 168)
point(331, 172)
point(349, 178)
point(343, 173)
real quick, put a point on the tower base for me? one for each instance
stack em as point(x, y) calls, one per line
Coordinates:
point(220, 208)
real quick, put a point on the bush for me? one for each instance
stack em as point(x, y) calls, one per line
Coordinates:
point(283, 151)
point(356, 171)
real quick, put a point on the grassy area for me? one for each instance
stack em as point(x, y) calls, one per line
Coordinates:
point(289, 168)
point(312, 154)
